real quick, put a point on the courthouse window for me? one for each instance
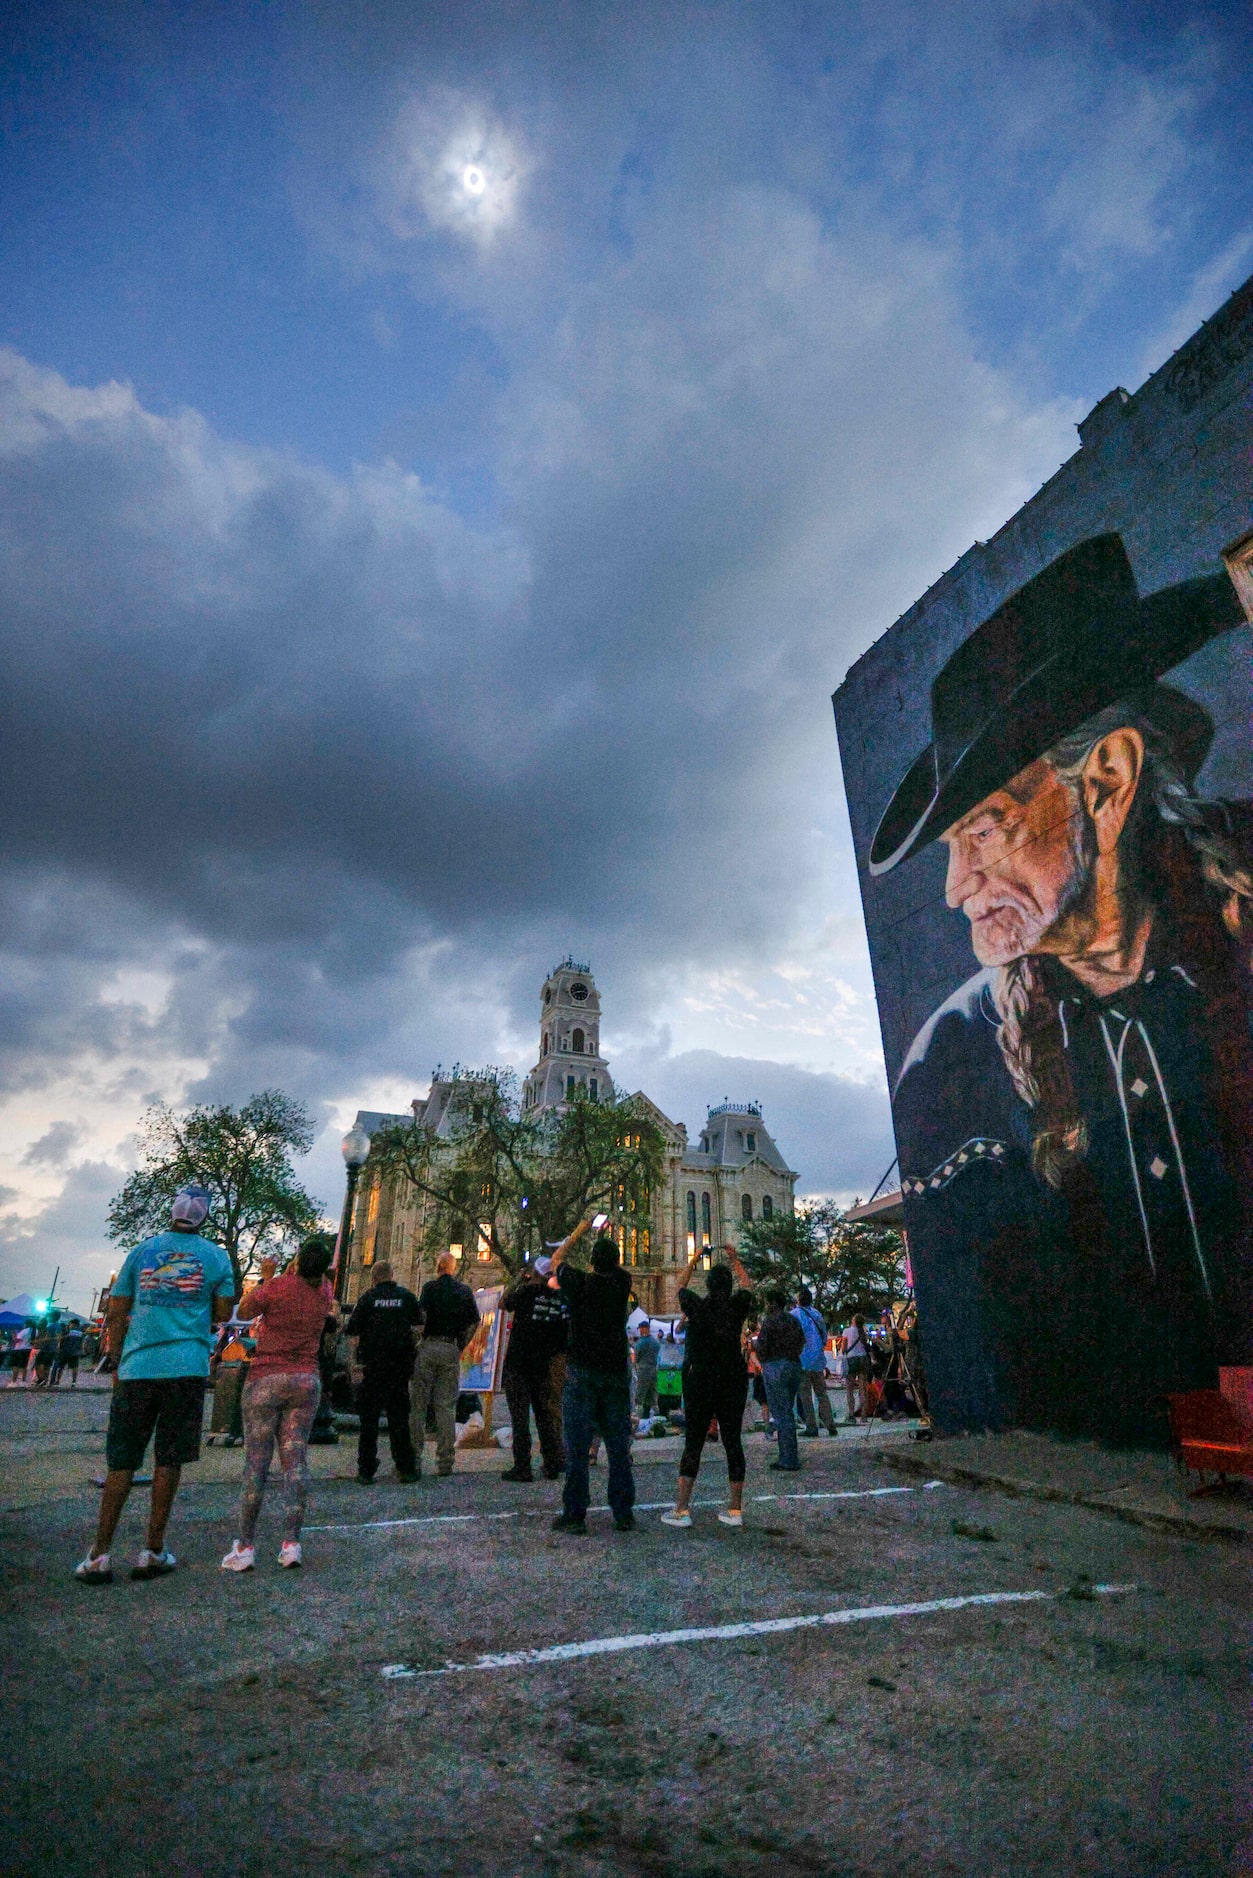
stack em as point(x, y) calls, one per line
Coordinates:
point(706, 1220)
point(746, 1208)
point(767, 1206)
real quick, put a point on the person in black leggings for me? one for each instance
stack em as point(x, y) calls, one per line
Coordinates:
point(715, 1380)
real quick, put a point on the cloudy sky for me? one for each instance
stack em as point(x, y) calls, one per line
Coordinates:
point(448, 456)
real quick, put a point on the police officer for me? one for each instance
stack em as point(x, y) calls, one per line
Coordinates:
point(383, 1325)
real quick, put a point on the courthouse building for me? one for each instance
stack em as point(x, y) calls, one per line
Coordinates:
point(711, 1189)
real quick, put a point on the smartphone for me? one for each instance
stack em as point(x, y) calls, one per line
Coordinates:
point(599, 1221)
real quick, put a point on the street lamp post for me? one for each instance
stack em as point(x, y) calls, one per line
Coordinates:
point(356, 1149)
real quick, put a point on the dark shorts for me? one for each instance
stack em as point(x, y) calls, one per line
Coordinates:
point(172, 1408)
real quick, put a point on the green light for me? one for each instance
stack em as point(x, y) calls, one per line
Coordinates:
point(41, 1305)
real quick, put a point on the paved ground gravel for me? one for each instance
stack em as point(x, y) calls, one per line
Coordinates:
point(213, 1725)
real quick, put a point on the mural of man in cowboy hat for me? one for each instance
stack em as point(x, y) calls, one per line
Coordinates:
point(1075, 1123)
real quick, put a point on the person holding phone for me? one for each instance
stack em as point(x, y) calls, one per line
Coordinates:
point(597, 1394)
point(715, 1379)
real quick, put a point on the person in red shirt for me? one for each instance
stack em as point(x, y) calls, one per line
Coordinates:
point(281, 1394)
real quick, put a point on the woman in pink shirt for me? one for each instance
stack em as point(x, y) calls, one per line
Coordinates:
point(281, 1394)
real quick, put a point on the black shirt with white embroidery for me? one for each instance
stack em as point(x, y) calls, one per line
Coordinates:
point(384, 1318)
point(1078, 1309)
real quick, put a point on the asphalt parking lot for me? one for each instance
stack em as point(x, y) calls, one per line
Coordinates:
point(341, 1720)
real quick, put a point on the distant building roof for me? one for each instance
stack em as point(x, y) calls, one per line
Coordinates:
point(726, 1137)
point(374, 1119)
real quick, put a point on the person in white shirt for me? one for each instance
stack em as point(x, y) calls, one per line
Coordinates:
point(856, 1346)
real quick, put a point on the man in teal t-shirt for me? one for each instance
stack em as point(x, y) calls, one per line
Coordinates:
point(170, 1282)
point(166, 1299)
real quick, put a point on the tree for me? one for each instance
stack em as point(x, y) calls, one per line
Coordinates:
point(242, 1157)
point(523, 1179)
point(852, 1267)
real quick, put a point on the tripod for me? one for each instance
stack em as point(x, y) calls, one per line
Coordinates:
point(906, 1359)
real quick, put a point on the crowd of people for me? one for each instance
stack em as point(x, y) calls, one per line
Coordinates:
point(571, 1364)
point(41, 1355)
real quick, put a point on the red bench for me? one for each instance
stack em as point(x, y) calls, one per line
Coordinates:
point(1212, 1429)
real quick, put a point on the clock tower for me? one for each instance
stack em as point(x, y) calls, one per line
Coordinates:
point(569, 1050)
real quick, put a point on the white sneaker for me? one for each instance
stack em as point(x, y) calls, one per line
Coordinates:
point(676, 1519)
point(240, 1558)
point(731, 1516)
point(95, 1571)
point(289, 1553)
point(154, 1564)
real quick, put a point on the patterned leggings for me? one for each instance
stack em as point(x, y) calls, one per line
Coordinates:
point(278, 1407)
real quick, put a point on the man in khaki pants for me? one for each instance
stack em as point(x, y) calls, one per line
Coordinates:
point(449, 1315)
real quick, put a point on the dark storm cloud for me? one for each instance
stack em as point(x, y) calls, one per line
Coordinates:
point(68, 1232)
point(294, 711)
point(835, 1131)
point(54, 1147)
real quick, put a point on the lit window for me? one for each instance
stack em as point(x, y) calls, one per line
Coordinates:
point(767, 1206)
point(746, 1209)
point(371, 1226)
point(456, 1250)
point(706, 1221)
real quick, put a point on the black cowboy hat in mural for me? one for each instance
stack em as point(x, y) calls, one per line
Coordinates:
point(1076, 638)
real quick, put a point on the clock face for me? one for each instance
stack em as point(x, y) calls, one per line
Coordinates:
point(578, 991)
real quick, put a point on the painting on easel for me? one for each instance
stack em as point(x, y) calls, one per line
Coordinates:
point(484, 1355)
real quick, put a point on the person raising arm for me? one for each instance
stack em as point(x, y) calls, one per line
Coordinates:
point(597, 1394)
point(715, 1379)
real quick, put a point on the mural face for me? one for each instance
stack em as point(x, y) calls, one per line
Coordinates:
point(1075, 1121)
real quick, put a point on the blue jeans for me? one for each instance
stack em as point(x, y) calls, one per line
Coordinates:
point(594, 1402)
point(782, 1380)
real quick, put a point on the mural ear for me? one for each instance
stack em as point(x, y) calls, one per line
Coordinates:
point(1111, 776)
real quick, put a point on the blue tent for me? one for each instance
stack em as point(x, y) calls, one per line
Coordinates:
point(17, 1311)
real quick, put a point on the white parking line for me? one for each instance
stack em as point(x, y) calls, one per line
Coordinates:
point(423, 1519)
point(861, 1493)
point(647, 1506)
point(720, 1633)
